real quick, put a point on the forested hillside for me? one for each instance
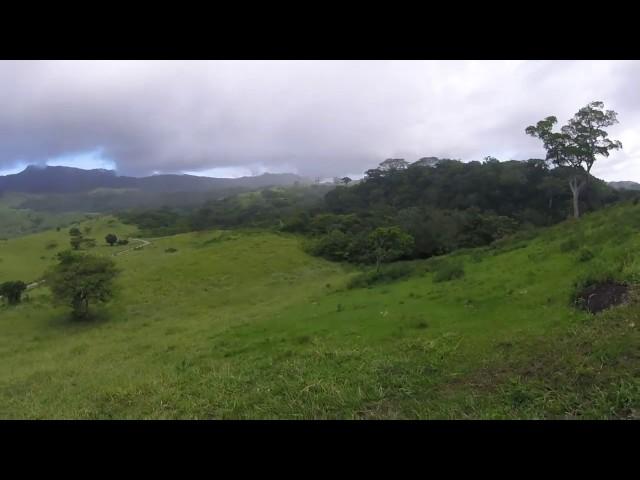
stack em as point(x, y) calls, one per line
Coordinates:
point(442, 205)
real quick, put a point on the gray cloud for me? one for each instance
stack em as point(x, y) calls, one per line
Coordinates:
point(314, 117)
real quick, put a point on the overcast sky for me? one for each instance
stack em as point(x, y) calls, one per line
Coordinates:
point(315, 118)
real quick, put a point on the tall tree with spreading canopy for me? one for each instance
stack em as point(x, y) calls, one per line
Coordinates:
point(393, 165)
point(78, 280)
point(578, 144)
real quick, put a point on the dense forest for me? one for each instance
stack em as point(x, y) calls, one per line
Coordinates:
point(440, 204)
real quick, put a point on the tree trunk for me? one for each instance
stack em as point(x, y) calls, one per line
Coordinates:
point(576, 185)
point(576, 202)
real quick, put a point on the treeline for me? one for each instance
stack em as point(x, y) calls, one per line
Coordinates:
point(109, 200)
point(527, 191)
point(442, 205)
point(268, 208)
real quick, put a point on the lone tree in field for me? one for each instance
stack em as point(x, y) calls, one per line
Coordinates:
point(12, 291)
point(75, 238)
point(111, 239)
point(389, 244)
point(75, 242)
point(80, 279)
point(578, 144)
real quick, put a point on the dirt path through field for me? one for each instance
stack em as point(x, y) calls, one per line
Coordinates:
point(143, 243)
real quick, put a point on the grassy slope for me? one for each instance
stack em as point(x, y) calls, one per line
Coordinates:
point(245, 325)
point(15, 222)
point(26, 258)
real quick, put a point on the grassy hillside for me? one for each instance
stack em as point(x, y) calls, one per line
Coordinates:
point(15, 221)
point(26, 258)
point(246, 325)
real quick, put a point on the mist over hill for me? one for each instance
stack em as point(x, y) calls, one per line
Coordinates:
point(48, 179)
point(625, 185)
point(67, 189)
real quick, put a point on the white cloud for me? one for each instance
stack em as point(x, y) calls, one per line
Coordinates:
point(320, 118)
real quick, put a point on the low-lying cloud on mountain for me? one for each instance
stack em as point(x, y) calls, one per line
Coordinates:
point(313, 118)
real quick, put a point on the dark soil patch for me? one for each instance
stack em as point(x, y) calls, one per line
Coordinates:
point(601, 296)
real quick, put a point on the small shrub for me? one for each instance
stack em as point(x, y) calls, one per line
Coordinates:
point(123, 242)
point(569, 245)
point(519, 396)
point(477, 256)
point(448, 271)
point(537, 256)
point(171, 250)
point(386, 274)
point(432, 264)
point(111, 239)
point(12, 291)
point(508, 244)
point(51, 245)
point(584, 255)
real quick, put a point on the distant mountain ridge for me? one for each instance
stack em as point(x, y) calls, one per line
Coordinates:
point(76, 180)
point(624, 185)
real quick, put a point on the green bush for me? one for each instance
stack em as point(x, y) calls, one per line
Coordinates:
point(171, 250)
point(111, 239)
point(387, 274)
point(433, 264)
point(477, 256)
point(12, 291)
point(333, 246)
point(585, 254)
point(449, 270)
point(569, 245)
